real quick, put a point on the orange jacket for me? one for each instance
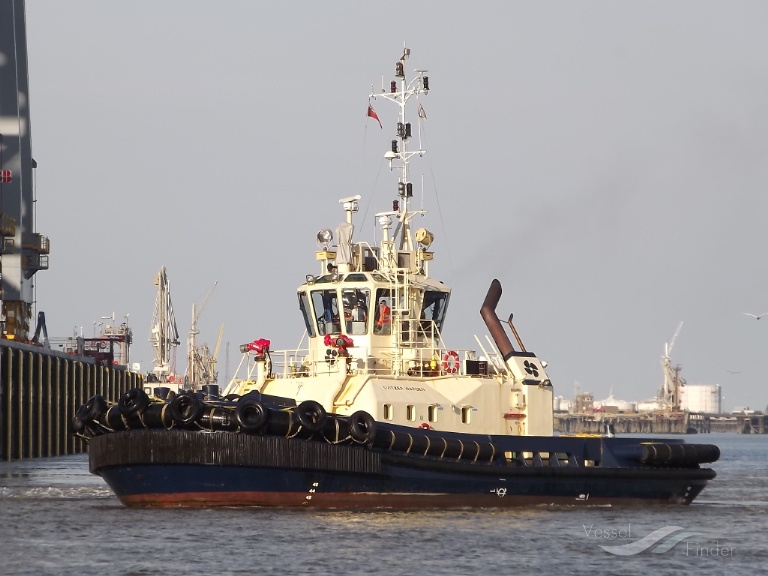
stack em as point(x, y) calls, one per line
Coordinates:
point(385, 316)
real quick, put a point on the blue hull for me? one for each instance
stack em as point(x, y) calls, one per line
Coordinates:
point(186, 468)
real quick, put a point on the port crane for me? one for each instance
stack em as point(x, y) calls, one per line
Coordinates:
point(214, 358)
point(205, 361)
point(196, 372)
point(163, 334)
point(670, 390)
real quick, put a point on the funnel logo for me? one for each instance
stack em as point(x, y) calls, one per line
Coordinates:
point(531, 369)
point(658, 542)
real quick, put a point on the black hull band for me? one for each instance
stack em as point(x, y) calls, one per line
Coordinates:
point(136, 447)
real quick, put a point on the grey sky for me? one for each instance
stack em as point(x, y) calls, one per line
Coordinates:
point(605, 160)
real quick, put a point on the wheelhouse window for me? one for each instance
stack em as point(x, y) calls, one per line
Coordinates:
point(389, 413)
point(355, 310)
point(325, 304)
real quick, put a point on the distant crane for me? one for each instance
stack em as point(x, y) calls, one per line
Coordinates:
point(163, 334)
point(670, 391)
point(205, 362)
point(214, 358)
point(194, 375)
point(226, 362)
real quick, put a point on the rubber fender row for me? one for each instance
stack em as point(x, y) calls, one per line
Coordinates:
point(679, 454)
point(247, 414)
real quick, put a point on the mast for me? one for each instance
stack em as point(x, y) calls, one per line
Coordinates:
point(400, 92)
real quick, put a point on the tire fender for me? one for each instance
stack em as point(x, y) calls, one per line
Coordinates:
point(92, 410)
point(311, 415)
point(133, 402)
point(186, 409)
point(251, 414)
point(362, 427)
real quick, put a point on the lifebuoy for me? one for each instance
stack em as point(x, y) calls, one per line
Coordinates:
point(425, 426)
point(450, 362)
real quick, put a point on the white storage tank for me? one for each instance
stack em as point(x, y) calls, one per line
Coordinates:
point(706, 398)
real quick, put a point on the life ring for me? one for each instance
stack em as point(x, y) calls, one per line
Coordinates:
point(425, 426)
point(450, 362)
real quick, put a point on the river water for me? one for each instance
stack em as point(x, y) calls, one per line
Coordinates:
point(56, 518)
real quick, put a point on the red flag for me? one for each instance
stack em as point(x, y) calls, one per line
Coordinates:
point(373, 114)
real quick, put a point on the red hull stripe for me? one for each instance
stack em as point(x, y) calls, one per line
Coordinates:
point(363, 500)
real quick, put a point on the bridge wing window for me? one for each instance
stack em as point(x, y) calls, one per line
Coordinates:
point(434, 306)
point(306, 313)
point(382, 314)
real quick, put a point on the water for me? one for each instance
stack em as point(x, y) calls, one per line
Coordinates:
point(56, 518)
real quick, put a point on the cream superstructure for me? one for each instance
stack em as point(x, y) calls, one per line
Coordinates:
point(374, 318)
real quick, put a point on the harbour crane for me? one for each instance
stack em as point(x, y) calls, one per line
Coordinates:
point(163, 334)
point(194, 375)
point(214, 358)
point(205, 362)
point(670, 391)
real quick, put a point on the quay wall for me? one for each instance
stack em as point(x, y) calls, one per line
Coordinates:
point(661, 423)
point(40, 392)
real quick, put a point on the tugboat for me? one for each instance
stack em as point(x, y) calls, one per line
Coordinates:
point(374, 409)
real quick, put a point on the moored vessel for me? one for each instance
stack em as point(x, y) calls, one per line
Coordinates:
point(373, 409)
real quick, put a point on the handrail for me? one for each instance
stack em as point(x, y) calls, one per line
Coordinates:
point(417, 363)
